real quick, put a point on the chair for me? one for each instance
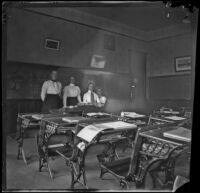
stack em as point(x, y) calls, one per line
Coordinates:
point(157, 121)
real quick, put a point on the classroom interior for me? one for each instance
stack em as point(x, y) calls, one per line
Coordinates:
point(143, 57)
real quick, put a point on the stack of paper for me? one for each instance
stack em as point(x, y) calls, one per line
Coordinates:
point(72, 119)
point(181, 133)
point(89, 132)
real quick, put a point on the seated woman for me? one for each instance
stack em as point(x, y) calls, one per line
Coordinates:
point(71, 94)
point(90, 96)
point(102, 99)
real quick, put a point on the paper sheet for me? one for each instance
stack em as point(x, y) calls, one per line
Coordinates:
point(132, 114)
point(175, 118)
point(118, 125)
point(72, 119)
point(37, 116)
point(180, 134)
point(90, 131)
point(171, 112)
point(94, 114)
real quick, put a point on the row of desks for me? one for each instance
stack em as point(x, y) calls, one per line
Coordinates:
point(54, 124)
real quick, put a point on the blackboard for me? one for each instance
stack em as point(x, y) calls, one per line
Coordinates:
point(24, 81)
point(170, 87)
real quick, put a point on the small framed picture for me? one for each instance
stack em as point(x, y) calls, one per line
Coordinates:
point(52, 44)
point(183, 63)
point(98, 61)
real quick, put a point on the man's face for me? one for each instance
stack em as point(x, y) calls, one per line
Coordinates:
point(72, 80)
point(54, 75)
point(91, 87)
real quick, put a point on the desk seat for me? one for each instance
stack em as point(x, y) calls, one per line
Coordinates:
point(119, 167)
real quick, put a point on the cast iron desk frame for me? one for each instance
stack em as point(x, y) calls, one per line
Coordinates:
point(151, 151)
point(24, 122)
point(77, 162)
point(53, 126)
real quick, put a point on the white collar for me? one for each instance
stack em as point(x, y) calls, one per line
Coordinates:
point(71, 84)
point(89, 91)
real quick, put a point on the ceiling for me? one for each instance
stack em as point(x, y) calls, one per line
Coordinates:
point(146, 16)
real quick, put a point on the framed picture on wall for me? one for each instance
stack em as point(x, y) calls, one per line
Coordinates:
point(52, 44)
point(183, 63)
point(98, 61)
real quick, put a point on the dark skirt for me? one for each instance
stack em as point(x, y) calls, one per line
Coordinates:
point(51, 101)
point(72, 101)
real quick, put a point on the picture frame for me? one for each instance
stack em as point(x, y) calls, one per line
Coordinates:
point(98, 61)
point(183, 63)
point(52, 44)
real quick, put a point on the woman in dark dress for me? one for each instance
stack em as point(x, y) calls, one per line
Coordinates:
point(50, 93)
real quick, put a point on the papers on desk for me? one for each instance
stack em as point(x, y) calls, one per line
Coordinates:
point(37, 116)
point(89, 132)
point(171, 112)
point(72, 119)
point(181, 133)
point(175, 118)
point(96, 114)
point(117, 125)
point(131, 115)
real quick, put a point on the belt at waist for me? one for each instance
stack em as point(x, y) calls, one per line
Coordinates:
point(52, 94)
point(72, 97)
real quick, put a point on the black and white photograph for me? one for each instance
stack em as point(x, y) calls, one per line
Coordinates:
point(98, 95)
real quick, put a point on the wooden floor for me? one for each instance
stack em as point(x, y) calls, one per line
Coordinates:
point(27, 177)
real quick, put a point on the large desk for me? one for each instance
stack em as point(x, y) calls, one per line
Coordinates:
point(62, 125)
point(31, 121)
point(107, 136)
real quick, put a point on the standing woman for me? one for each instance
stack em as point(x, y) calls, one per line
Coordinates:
point(71, 94)
point(50, 93)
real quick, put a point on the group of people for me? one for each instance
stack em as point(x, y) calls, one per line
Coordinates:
point(51, 93)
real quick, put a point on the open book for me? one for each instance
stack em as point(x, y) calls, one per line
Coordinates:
point(181, 133)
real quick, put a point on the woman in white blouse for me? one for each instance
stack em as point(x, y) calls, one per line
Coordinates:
point(90, 96)
point(71, 94)
point(50, 93)
point(102, 99)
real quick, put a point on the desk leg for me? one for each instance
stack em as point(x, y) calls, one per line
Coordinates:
point(20, 148)
point(23, 156)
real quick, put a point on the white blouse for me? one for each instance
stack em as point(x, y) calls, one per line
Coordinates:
point(71, 90)
point(87, 97)
point(102, 100)
point(50, 87)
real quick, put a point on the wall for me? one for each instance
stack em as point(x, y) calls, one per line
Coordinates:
point(161, 63)
point(163, 52)
point(27, 32)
